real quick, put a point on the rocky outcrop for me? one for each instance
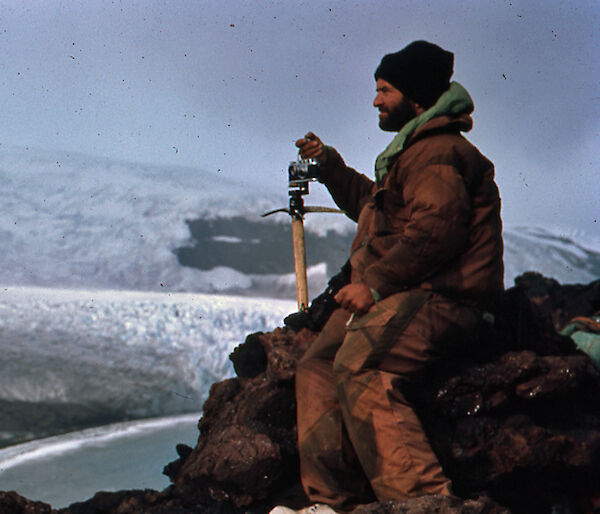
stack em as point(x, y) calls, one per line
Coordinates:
point(12, 503)
point(246, 453)
point(515, 422)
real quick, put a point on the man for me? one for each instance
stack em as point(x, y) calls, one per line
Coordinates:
point(425, 262)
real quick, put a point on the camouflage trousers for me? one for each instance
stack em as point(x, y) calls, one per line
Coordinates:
point(358, 437)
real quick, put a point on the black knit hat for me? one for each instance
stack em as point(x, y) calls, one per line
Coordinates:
point(421, 71)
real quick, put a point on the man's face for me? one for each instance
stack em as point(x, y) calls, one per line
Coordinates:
point(394, 108)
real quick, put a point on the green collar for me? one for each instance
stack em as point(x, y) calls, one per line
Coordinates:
point(454, 102)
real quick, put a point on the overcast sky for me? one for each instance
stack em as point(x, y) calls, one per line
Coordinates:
point(228, 86)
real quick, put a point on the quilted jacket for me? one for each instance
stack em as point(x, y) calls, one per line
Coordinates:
point(434, 221)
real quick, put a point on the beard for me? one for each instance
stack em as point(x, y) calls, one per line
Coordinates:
point(394, 119)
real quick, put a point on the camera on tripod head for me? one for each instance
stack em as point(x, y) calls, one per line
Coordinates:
point(301, 172)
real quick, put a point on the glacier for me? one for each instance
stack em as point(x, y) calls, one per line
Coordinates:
point(116, 355)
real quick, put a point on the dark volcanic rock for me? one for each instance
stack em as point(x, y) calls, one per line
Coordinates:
point(12, 503)
point(515, 422)
point(557, 302)
point(521, 428)
point(437, 503)
point(247, 446)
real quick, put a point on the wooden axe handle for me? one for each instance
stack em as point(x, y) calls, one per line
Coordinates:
point(300, 262)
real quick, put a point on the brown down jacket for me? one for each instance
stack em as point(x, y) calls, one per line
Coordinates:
point(434, 221)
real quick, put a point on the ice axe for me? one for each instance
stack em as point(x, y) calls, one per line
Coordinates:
point(300, 173)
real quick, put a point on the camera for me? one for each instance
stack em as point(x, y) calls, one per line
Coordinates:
point(303, 171)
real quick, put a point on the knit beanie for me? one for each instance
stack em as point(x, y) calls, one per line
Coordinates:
point(421, 71)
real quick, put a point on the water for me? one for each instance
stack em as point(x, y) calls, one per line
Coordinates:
point(65, 469)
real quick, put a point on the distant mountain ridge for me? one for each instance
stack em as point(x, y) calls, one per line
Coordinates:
point(76, 221)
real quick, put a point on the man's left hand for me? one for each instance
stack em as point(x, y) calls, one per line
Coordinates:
point(355, 298)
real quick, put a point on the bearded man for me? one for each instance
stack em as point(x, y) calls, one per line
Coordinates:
point(425, 263)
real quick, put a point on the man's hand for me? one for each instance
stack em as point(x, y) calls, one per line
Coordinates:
point(311, 147)
point(355, 298)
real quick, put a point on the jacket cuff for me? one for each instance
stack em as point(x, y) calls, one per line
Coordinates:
point(382, 286)
point(334, 160)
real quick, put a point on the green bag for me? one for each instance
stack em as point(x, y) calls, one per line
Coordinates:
point(586, 334)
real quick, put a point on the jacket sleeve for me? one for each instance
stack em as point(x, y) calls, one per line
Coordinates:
point(348, 188)
point(435, 232)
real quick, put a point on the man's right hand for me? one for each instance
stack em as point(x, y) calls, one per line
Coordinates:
point(311, 147)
